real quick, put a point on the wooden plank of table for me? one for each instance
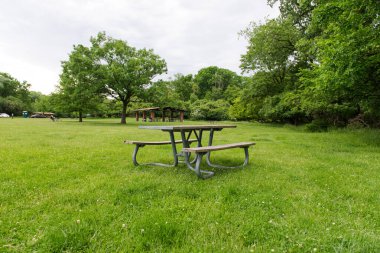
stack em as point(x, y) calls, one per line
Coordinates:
point(219, 147)
point(157, 127)
point(187, 127)
point(157, 142)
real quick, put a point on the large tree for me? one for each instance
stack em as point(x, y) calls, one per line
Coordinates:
point(273, 58)
point(271, 49)
point(344, 82)
point(79, 88)
point(123, 69)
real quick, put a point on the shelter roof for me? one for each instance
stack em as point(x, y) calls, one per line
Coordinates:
point(44, 113)
point(148, 109)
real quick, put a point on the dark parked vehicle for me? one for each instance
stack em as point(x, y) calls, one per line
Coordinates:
point(38, 116)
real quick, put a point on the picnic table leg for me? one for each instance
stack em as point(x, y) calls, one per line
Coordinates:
point(208, 155)
point(186, 144)
point(201, 173)
point(246, 160)
point(135, 154)
point(200, 138)
point(199, 143)
point(198, 158)
point(174, 148)
point(210, 144)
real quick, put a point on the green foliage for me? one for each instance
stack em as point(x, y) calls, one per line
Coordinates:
point(209, 110)
point(43, 103)
point(123, 70)
point(213, 81)
point(240, 110)
point(273, 57)
point(348, 52)
point(79, 88)
point(11, 105)
point(14, 95)
point(318, 60)
point(299, 12)
point(108, 108)
point(317, 125)
point(8, 85)
point(206, 96)
point(271, 47)
point(110, 67)
point(183, 86)
point(162, 94)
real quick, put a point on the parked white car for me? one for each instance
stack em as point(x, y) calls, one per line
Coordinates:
point(4, 115)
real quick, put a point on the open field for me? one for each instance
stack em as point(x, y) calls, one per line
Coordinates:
point(69, 186)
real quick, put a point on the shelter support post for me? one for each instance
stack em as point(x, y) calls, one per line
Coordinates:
point(152, 114)
point(137, 116)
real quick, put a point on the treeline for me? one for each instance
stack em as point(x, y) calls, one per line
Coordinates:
point(15, 96)
point(317, 63)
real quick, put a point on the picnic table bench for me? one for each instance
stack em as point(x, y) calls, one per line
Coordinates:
point(140, 144)
point(199, 151)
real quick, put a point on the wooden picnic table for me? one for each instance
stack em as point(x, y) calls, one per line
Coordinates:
point(186, 132)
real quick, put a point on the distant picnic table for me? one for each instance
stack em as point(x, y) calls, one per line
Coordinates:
point(199, 151)
point(168, 113)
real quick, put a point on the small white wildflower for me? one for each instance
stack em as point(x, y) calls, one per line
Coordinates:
point(78, 221)
point(315, 249)
point(124, 225)
point(272, 250)
point(142, 231)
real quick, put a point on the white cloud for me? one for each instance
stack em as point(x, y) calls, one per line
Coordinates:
point(36, 35)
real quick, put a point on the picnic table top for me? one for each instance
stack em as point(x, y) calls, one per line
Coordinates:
point(187, 127)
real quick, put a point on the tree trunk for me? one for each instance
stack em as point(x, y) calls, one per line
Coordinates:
point(124, 113)
point(80, 117)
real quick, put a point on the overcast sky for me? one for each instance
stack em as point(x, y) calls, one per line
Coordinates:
point(36, 35)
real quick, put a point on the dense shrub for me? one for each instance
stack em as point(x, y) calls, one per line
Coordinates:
point(209, 110)
point(317, 125)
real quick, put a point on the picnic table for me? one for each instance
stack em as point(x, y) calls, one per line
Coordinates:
point(186, 132)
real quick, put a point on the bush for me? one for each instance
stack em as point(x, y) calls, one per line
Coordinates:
point(209, 110)
point(357, 123)
point(317, 125)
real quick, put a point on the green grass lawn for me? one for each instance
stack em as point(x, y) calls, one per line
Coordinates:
point(69, 186)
